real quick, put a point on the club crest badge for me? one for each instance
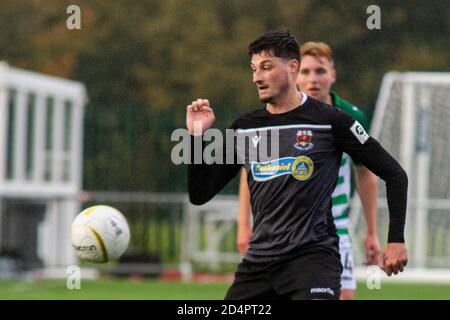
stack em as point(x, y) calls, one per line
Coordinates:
point(302, 168)
point(303, 139)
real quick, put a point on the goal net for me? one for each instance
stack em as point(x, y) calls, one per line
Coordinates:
point(411, 121)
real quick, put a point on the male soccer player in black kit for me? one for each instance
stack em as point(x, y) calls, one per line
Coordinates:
point(294, 250)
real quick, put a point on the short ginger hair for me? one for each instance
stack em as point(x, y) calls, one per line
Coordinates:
point(317, 50)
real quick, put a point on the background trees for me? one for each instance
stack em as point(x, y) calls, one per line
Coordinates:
point(144, 61)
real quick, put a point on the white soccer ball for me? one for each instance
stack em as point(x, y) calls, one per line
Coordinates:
point(100, 234)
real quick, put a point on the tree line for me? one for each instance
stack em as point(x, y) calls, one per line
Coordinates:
point(144, 61)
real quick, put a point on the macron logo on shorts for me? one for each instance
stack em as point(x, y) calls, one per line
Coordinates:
point(322, 290)
point(359, 132)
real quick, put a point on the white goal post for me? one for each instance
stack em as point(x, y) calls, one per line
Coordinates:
point(412, 121)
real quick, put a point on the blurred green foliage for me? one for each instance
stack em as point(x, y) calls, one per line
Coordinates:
point(144, 61)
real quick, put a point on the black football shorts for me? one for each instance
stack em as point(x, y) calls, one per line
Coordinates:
point(315, 275)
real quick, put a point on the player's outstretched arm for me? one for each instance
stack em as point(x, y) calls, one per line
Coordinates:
point(366, 185)
point(205, 180)
point(352, 139)
point(244, 232)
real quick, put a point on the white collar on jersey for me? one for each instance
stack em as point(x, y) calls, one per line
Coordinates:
point(304, 98)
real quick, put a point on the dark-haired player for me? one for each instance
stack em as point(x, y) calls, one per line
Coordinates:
point(294, 250)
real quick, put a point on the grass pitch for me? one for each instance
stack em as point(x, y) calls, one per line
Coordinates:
point(124, 289)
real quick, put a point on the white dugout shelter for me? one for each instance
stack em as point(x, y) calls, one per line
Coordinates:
point(41, 128)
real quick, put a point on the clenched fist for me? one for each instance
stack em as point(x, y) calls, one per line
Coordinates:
point(394, 259)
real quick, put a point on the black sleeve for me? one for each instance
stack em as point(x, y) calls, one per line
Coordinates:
point(206, 180)
point(352, 139)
